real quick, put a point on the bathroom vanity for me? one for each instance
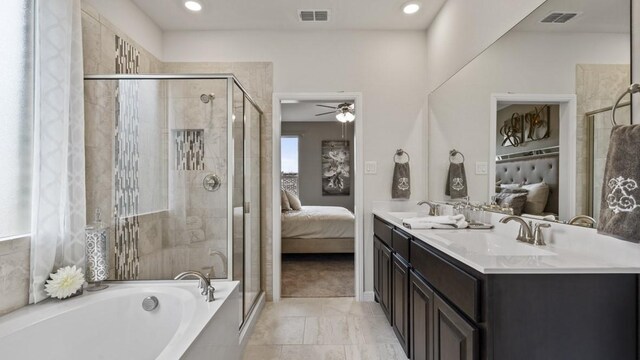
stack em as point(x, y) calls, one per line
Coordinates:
point(469, 294)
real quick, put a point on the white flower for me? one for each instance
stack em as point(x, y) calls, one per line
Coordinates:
point(65, 282)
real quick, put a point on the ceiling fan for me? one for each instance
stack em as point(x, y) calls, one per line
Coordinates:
point(345, 112)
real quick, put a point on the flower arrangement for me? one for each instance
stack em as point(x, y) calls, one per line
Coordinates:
point(65, 282)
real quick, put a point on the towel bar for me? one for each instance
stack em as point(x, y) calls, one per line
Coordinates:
point(633, 88)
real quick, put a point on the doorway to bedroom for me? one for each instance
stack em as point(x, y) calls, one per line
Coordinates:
point(317, 198)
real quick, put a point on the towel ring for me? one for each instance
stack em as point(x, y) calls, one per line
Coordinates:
point(452, 155)
point(633, 88)
point(399, 154)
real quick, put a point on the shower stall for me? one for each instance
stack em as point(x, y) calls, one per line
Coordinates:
point(173, 161)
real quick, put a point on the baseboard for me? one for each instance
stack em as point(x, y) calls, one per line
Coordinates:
point(247, 328)
point(368, 296)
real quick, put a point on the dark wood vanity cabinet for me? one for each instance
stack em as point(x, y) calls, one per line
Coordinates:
point(400, 300)
point(420, 318)
point(382, 276)
point(440, 308)
point(453, 336)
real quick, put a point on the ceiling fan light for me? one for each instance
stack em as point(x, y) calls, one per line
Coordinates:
point(345, 116)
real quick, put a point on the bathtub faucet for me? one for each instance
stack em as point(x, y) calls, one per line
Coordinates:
point(204, 284)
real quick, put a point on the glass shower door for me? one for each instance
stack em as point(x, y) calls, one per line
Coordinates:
point(252, 243)
point(238, 202)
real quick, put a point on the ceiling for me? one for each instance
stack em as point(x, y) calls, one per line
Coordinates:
point(283, 14)
point(307, 109)
point(604, 16)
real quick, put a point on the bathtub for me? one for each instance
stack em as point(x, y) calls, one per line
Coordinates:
point(111, 324)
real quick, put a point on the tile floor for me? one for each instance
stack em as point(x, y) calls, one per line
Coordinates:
point(323, 329)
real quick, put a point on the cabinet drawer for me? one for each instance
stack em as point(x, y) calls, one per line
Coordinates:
point(454, 283)
point(400, 243)
point(382, 230)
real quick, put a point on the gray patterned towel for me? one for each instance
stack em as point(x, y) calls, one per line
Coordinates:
point(401, 184)
point(619, 210)
point(456, 181)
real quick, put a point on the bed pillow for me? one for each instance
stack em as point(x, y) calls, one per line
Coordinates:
point(512, 198)
point(294, 201)
point(537, 198)
point(284, 201)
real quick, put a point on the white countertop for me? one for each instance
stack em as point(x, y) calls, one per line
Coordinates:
point(569, 249)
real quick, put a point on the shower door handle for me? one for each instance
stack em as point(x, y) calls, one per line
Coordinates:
point(247, 207)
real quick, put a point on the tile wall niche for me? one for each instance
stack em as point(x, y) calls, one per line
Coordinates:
point(597, 86)
point(195, 220)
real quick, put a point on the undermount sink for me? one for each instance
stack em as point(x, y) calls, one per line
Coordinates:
point(491, 244)
point(403, 214)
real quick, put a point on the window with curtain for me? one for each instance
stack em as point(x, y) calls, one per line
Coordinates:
point(289, 163)
point(16, 116)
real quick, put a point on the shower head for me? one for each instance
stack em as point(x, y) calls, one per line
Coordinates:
point(205, 98)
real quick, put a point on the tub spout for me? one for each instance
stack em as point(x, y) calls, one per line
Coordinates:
point(206, 289)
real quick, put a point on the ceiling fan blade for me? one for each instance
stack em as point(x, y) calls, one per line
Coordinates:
point(326, 113)
point(327, 106)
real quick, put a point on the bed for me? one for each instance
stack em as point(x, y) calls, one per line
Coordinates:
point(318, 229)
point(533, 169)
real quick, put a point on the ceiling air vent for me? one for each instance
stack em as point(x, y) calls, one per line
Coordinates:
point(559, 17)
point(313, 15)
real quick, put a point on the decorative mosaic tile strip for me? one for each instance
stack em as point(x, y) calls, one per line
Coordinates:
point(189, 149)
point(127, 57)
point(127, 189)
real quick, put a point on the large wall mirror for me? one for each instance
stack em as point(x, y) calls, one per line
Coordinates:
point(532, 113)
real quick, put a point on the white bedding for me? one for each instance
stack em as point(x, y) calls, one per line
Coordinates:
point(318, 222)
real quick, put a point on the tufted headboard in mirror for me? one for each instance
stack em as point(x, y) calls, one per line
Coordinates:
point(531, 170)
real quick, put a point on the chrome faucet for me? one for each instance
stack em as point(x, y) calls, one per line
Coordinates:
point(204, 284)
point(588, 221)
point(524, 234)
point(434, 209)
point(212, 273)
point(538, 238)
point(528, 232)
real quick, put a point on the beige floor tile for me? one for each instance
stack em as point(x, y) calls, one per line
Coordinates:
point(293, 307)
point(262, 352)
point(376, 309)
point(313, 352)
point(346, 306)
point(278, 330)
point(334, 330)
point(372, 330)
point(375, 352)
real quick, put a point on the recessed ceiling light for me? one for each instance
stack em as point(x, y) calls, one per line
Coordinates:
point(411, 7)
point(193, 5)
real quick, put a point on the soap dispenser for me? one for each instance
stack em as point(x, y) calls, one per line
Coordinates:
point(97, 269)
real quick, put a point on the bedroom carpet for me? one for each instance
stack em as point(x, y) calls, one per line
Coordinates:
point(317, 275)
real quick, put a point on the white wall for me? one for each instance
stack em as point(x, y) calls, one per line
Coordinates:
point(519, 63)
point(128, 17)
point(388, 67)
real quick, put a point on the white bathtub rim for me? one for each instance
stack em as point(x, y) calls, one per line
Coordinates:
point(190, 326)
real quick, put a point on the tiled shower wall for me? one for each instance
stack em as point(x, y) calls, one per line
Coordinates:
point(181, 237)
point(597, 86)
point(106, 50)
